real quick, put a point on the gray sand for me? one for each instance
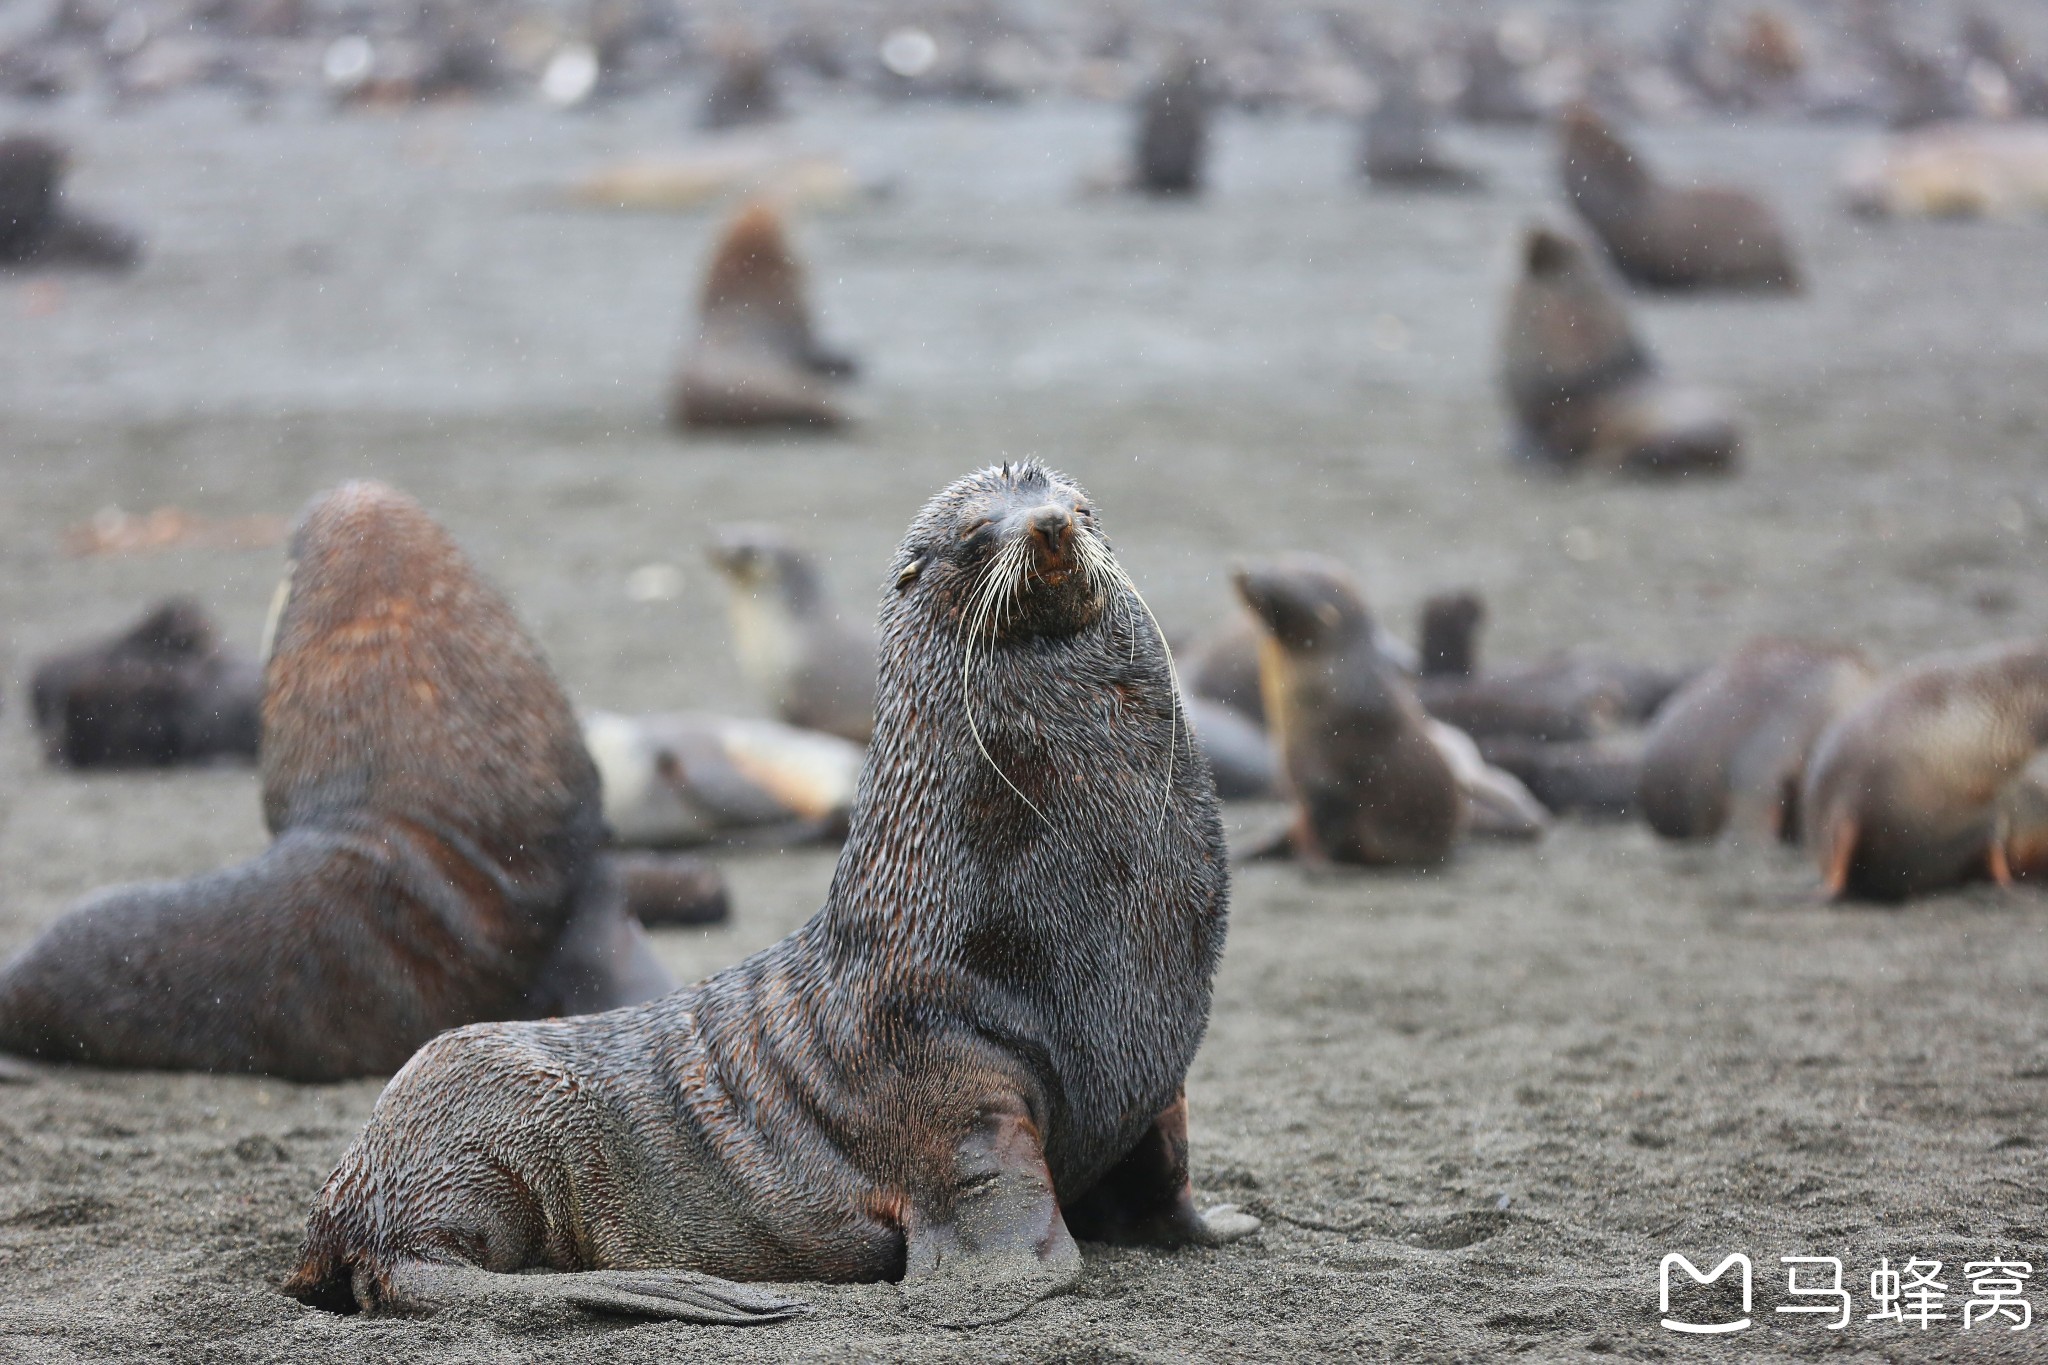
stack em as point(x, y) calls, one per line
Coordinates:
point(1475, 1108)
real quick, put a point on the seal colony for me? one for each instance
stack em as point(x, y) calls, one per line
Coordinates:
point(435, 857)
point(971, 1056)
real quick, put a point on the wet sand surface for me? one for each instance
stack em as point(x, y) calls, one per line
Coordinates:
point(1475, 1108)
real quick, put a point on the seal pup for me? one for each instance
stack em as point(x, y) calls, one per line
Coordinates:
point(435, 855)
point(1401, 149)
point(1729, 750)
point(37, 228)
point(1222, 664)
point(755, 361)
point(1172, 150)
point(689, 777)
point(817, 672)
point(1712, 237)
point(1583, 391)
point(672, 890)
point(1902, 793)
point(164, 691)
point(970, 1057)
point(1369, 783)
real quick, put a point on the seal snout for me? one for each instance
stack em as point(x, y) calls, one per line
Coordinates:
point(1052, 536)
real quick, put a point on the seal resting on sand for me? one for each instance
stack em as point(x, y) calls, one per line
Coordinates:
point(1707, 238)
point(1583, 391)
point(1728, 752)
point(1903, 792)
point(817, 671)
point(755, 362)
point(37, 228)
point(1370, 784)
point(971, 1056)
point(1401, 150)
point(165, 691)
point(1172, 151)
point(435, 859)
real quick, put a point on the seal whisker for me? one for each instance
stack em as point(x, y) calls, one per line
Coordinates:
point(987, 592)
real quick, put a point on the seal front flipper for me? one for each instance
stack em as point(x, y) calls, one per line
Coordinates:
point(994, 1243)
point(1146, 1199)
point(681, 1295)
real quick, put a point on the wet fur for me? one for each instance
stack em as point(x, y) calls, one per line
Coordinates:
point(1021, 932)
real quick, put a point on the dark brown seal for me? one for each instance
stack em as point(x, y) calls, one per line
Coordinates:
point(1712, 237)
point(165, 691)
point(1402, 150)
point(672, 890)
point(755, 361)
point(37, 228)
point(744, 91)
point(971, 1056)
point(1172, 152)
point(435, 859)
point(1903, 792)
point(1583, 391)
point(816, 670)
point(1729, 750)
point(1370, 785)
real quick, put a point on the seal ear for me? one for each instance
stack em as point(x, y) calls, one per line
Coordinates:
point(908, 573)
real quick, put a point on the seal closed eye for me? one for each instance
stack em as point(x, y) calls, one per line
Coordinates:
point(972, 1055)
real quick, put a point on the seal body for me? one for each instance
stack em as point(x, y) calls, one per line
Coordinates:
point(756, 361)
point(1583, 391)
point(1730, 748)
point(435, 858)
point(1401, 149)
point(1172, 149)
point(1902, 795)
point(1707, 238)
point(971, 1055)
point(816, 671)
point(688, 777)
point(1369, 782)
point(37, 227)
point(163, 692)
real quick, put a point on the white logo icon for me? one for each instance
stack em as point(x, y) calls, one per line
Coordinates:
point(1703, 1328)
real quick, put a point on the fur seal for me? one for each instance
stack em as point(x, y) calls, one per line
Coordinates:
point(37, 228)
point(1707, 238)
point(1729, 750)
point(1584, 392)
point(743, 92)
point(689, 778)
point(165, 691)
point(817, 671)
point(755, 362)
point(1222, 664)
point(1172, 152)
point(1596, 778)
point(1574, 694)
point(1369, 783)
point(970, 1057)
point(1401, 149)
point(435, 860)
point(672, 890)
point(1903, 791)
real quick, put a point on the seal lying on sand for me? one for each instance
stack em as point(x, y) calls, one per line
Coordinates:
point(1903, 792)
point(1370, 785)
point(164, 691)
point(1729, 750)
point(436, 853)
point(755, 361)
point(1707, 238)
point(744, 90)
point(37, 228)
point(970, 1057)
point(817, 671)
point(1574, 694)
point(1583, 391)
point(688, 777)
point(671, 890)
point(1172, 149)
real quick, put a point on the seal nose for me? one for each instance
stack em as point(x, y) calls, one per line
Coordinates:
point(1053, 528)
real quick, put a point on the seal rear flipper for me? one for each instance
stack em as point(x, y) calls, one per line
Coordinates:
point(998, 1243)
point(425, 1287)
point(1146, 1199)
